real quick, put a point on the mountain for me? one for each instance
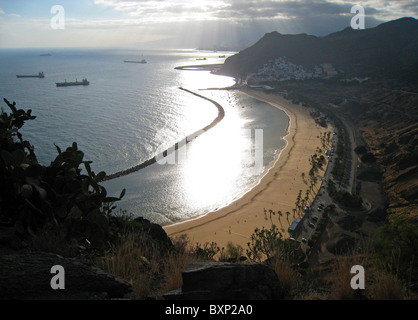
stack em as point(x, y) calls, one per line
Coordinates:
point(383, 110)
point(391, 47)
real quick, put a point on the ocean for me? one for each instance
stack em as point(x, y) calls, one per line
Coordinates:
point(130, 112)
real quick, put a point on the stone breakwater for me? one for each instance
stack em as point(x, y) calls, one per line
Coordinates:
point(188, 139)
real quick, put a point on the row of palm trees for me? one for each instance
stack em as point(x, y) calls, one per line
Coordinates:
point(325, 138)
point(279, 214)
point(302, 201)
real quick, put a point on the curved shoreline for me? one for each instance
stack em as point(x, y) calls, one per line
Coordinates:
point(175, 224)
point(276, 190)
point(243, 194)
point(188, 139)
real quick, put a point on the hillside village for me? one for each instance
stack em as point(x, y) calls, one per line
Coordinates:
point(280, 69)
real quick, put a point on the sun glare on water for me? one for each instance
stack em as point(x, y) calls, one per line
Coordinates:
point(216, 158)
point(217, 155)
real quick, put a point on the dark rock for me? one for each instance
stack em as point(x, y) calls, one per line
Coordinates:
point(220, 281)
point(27, 276)
point(155, 232)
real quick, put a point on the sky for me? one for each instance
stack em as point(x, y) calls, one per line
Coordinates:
point(155, 24)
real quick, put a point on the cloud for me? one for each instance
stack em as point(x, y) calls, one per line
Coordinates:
point(393, 9)
point(202, 23)
point(181, 10)
point(13, 15)
point(242, 22)
point(164, 11)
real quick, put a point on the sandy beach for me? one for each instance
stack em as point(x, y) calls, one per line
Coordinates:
point(277, 190)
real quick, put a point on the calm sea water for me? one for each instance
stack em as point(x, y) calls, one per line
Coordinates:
point(129, 112)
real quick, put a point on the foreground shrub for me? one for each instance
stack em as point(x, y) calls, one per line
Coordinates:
point(266, 243)
point(34, 197)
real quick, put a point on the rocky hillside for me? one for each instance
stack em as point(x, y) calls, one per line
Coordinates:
point(388, 121)
point(391, 47)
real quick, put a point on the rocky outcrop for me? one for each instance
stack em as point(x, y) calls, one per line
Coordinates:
point(27, 276)
point(219, 281)
point(155, 232)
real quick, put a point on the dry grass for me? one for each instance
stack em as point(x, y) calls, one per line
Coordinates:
point(387, 286)
point(134, 263)
point(340, 276)
point(151, 271)
point(176, 263)
point(379, 283)
point(290, 278)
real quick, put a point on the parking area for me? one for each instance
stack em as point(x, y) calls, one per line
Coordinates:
point(313, 213)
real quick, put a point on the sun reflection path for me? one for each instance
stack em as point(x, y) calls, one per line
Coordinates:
point(165, 153)
point(214, 165)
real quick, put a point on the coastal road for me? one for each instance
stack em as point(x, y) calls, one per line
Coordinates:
point(307, 225)
point(351, 132)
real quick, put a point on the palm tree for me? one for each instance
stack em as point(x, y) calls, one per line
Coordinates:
point(314, 181)
point(287, 215)
point(298, 199)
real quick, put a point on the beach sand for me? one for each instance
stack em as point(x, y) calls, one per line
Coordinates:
point(278, 190)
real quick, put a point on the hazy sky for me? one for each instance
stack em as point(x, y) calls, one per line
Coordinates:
point(180, 23)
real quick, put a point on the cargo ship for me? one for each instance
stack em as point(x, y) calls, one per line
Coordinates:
point(39, 75)
point(84, 82)
point(135, 61)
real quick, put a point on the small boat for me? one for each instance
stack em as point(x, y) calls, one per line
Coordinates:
point(201, 59)
point(84, 82)
point(39, 75)
point(45, 54)
point(222, 56)
point(135, 61)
